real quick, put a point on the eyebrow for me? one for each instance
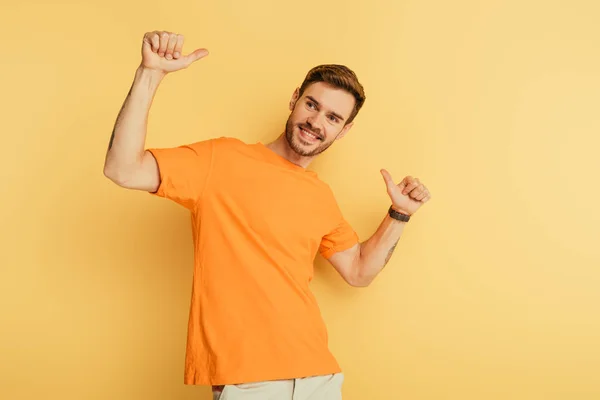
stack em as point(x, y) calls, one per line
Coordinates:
point(319, 104)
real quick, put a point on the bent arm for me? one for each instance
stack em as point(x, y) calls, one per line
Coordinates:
point(360, 264)
point(126, 162)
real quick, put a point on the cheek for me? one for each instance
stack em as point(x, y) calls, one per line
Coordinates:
point(329, 135)
point(296, 117)
point(332, 132)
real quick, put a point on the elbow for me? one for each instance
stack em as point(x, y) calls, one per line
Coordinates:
point(360, 283)
point(360, 280)
point(116, 175)
point(122, 171)
point(110, 173)
point(358, 277)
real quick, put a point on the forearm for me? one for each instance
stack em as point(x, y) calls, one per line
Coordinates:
point(376, 252)
point(127, 142)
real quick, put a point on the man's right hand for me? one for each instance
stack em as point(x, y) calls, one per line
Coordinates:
point(163, 52)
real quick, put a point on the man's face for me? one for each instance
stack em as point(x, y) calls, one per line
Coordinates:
point(318, 118)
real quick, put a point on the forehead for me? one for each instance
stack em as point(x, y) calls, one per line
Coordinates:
point(331, 98)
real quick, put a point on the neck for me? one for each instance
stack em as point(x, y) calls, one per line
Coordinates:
point(281, 147)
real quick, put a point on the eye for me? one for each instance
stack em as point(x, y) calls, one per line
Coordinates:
point(310, 104)
point(333, 118)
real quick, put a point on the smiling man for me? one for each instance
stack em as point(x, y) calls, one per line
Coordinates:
point(306, 135)
point(259, 218)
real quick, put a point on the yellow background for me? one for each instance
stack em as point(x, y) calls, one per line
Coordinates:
point(494, 289)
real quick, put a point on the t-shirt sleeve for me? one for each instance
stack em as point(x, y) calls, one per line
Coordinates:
point(341, 238)
point(184, 171)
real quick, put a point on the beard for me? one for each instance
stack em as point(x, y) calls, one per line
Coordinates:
point(296, 143)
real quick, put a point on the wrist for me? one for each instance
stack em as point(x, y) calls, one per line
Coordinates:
point(398, 214)
point(401, 211)
point(150, 75)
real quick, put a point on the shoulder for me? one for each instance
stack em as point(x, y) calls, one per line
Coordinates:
point(220, 144)
point(324, 190)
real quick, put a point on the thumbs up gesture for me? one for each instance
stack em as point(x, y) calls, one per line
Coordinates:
point(163, 52)
point(407, 196)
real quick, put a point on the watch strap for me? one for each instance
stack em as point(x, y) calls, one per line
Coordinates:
point(398, 215)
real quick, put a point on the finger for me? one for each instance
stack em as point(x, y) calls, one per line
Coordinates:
point(146, 40)
point(420, 194)
point(151, 40)
point(415, 192)
point(164, 41)
point(155, 41)
point(410, 185)
point(171, 46)
point(178, 46)
point(402, 185)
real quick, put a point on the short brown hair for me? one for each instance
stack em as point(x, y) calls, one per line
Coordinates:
point(338, 76)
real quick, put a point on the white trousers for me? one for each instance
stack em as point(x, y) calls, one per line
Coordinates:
point(325, 387)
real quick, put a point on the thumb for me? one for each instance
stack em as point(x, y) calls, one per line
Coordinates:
point(387, 177)
point(195, 56)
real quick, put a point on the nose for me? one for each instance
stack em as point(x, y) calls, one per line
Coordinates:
point(315, 122)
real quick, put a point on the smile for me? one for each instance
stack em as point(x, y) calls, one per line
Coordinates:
point(309, 135)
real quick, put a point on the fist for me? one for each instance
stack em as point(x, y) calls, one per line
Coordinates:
point(407, 196)
point(163, 51)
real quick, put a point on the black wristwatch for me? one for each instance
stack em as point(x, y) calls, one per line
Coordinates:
point(398, 215)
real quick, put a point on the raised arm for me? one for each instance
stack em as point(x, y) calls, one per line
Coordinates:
point(127, 163)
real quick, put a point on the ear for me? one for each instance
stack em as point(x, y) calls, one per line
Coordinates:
point(294, 99)
point(345, 130)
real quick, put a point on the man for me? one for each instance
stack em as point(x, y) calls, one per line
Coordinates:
point(259, 217)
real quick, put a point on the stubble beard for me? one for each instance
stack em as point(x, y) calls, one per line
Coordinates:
point(297, 147)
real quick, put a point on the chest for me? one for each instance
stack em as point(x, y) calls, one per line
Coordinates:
point(274, 203)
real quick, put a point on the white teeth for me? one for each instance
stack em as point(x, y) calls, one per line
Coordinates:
point(309, 134)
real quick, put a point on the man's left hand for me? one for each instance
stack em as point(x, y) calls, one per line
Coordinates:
point(407, 196)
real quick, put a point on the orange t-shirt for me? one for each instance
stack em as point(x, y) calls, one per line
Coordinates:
point(258, 221)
